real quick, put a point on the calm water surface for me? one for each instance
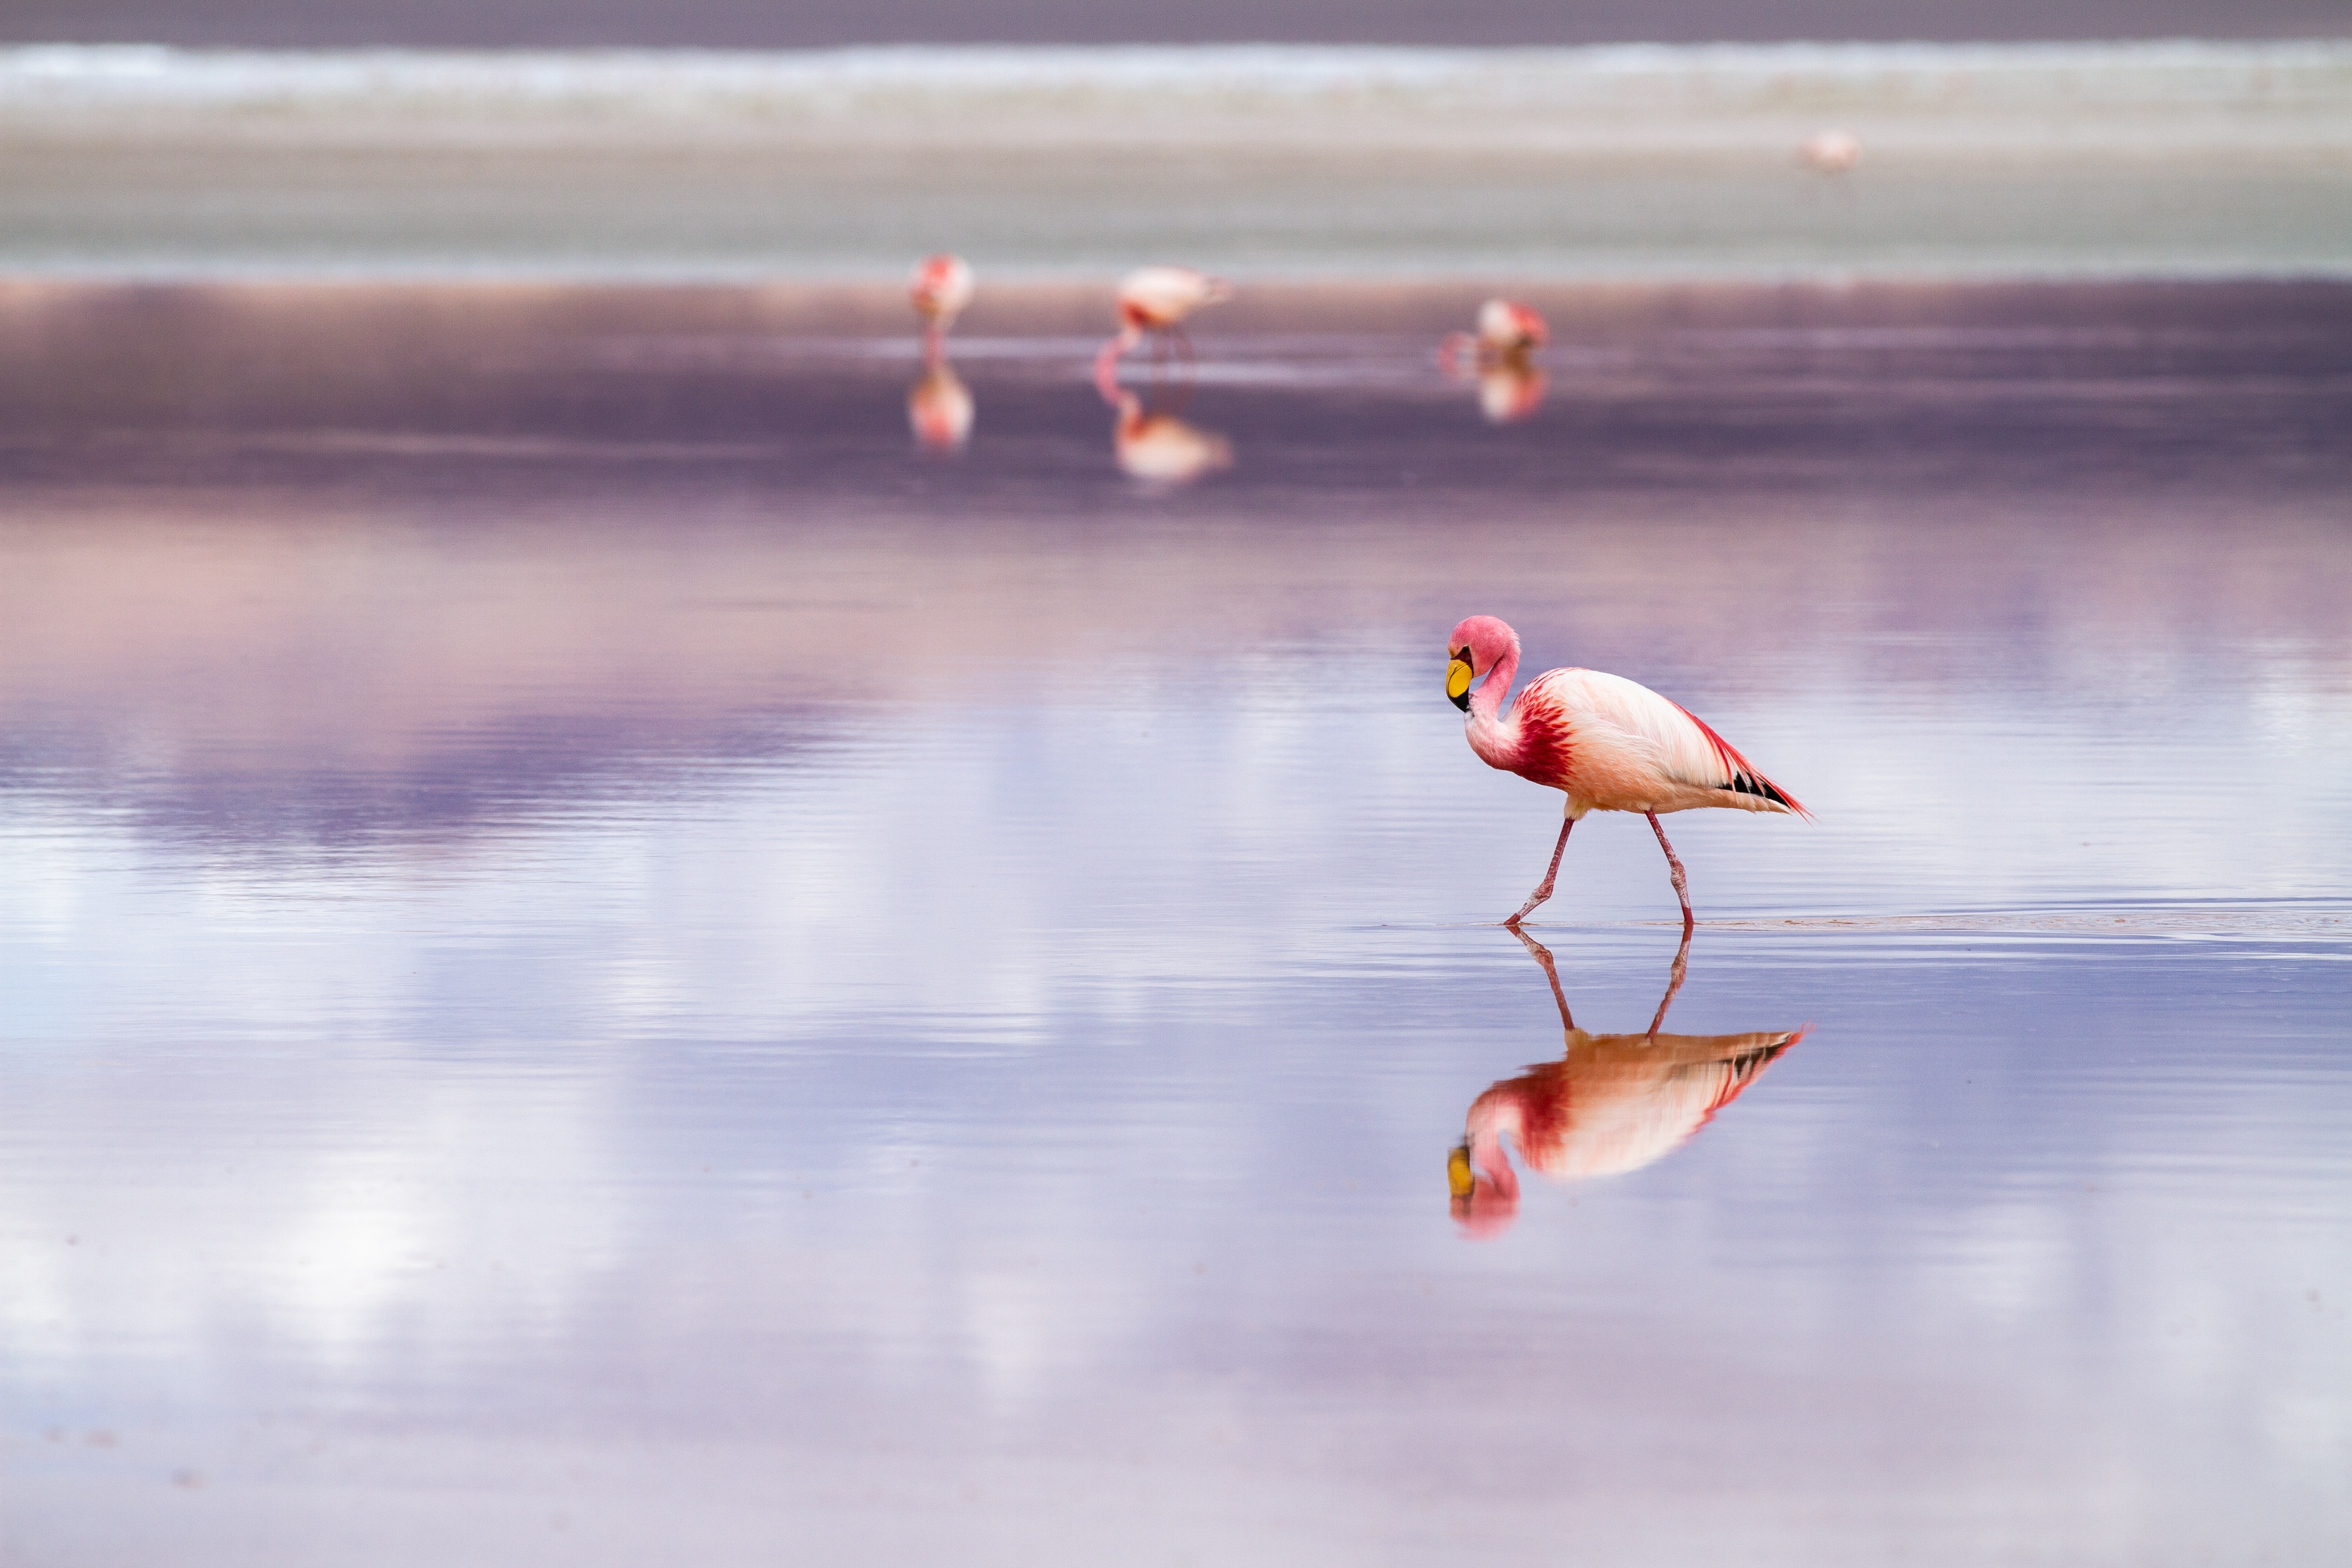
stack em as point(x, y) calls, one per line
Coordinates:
point(608, 961)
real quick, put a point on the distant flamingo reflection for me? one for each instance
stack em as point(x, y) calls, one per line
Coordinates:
point(1509, 390)
point(1160, 449)
point(940, 408)
point(1611, 1104)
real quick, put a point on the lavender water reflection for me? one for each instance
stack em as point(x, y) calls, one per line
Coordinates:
point(1613, 1104)
point(603, 965)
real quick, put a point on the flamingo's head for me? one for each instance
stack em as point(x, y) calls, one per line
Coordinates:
point(1476, 646)
point(941, 287)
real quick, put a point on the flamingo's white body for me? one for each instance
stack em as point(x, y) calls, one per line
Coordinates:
point(1507, 327)
point(943, 286)
point(1510, 387)
point(1507, 332)
point(1606, 742)
point(1830, 152)
point(1155, 299)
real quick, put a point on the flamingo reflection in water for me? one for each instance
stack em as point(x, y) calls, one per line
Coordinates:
point(1500, 357)
point(1511, 390)
point(940, 409)
point(1162, 450)
point(1611, 1104)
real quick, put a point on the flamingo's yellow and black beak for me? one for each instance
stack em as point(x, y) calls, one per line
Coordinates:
point(1458, 1178)
point(1457, 679)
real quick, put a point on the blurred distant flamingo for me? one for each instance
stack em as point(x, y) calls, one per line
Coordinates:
point(1499, 356)
point(1507, 331)
point(941, 288)
point(1832, 151)
point(940, 408)
point(1155, 299)
point(1611, 1104)
point(1606, 742)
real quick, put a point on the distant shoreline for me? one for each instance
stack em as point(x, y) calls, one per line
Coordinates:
point(2149, 160)
point(2303, 82)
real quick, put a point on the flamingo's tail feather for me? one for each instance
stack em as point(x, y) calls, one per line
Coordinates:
point(1755, 784)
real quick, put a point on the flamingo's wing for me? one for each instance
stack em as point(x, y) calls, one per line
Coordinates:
point(1677, 741)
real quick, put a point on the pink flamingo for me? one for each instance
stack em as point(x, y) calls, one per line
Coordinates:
point(1499, 355)
point(1611, 1104)
point(1606, 742)
point(941, 288)
point(1155, 299)
point(1830, 152)
point(1507, 334)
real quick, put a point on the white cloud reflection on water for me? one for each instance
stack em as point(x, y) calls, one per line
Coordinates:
point(1222, 831)
point(1793, 1283)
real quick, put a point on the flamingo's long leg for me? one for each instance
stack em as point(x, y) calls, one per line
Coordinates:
point(1543, 890)
point(1674, 984)
point(1682, 884)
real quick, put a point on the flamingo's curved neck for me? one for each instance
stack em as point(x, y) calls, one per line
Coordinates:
point(1492, 736)
point(1486, 703)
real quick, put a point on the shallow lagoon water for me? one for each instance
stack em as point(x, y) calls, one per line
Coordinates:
point(606, 958)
